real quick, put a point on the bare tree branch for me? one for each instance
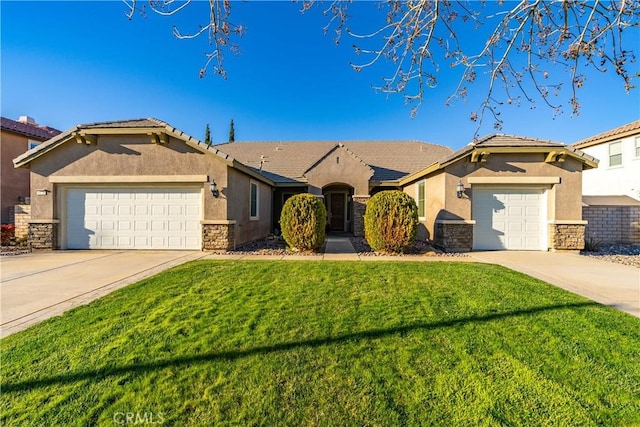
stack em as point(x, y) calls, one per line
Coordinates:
point(527, 43)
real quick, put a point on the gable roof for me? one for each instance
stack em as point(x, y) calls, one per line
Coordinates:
point(287, 162)
point(623, 131)
point(150, 126)
point(39, 133)
point(501, 143)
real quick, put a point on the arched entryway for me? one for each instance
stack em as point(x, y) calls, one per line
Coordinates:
point(339, 204)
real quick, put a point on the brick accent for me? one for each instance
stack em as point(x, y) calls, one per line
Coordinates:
point(218, 237)
point(19, 215)
point(454, 237)
point(566, 237)
point(613, 224)
point(359, 208)
point(43, 236)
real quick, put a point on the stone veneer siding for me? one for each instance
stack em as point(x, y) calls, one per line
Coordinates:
point(218, 237)
point(454, 237)
point(359, 208)
point(19, 215)
point(43, 235)
point(566, 237)
point(613, 224)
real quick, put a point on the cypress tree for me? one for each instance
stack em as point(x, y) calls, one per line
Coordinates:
point(232, 132)
point(207, 136)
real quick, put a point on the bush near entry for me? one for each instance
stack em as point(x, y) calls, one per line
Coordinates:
point(391, 221)
point(302, 221)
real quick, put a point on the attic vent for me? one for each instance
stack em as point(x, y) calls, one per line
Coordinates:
point(278, 148)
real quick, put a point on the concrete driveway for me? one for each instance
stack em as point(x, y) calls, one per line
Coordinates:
point(41, 285)
point(605, 282)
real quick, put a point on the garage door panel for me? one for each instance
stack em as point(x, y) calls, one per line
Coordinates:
point(133, 218)
point(508, 219)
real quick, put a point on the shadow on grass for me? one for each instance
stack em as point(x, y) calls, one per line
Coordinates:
point(106, 372)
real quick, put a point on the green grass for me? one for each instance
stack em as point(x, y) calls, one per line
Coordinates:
point(317, 343)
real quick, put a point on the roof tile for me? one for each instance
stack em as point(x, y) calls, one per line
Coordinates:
point(288, 161)
point(40, 133)
point(608, 135)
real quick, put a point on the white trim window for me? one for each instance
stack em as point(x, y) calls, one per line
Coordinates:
point(421, 199)
point(615, 154)
point(254, 200)
point(637, 147)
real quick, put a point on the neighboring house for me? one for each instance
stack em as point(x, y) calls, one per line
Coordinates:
point(17, 137)
point(619, 153)
point(144, 184)
point(611, 193)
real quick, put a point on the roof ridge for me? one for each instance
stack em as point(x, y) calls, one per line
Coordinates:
point(507, 135)
point(633, 125)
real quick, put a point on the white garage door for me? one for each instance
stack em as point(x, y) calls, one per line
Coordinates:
point(133, 218)
point(512, 219)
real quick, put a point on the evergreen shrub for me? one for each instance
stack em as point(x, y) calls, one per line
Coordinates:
point(391, 221)
point(303, 221)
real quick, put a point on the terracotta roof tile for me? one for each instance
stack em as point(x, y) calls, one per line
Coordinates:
point(629, 128)
point(36, 132)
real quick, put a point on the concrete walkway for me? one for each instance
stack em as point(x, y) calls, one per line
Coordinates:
point(611, 284)
point(41, 285)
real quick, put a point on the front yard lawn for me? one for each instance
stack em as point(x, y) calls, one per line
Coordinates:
point(317, 343)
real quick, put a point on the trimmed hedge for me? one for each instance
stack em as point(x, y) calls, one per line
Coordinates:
point(391, 221)
point(303, 221)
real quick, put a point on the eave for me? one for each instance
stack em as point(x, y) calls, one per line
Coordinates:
point(553, 154)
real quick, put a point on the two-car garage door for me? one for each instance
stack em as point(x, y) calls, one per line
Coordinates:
point(513, 219)
point(133, 218)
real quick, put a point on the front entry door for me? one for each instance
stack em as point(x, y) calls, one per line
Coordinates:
point(337, 211)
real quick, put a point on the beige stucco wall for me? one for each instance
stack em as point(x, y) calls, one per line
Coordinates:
point(238, 191)
point(15, 182)
point(564, 199)
point(124, 155)
point(434, 203)
point(339, 167)
point(135, 155)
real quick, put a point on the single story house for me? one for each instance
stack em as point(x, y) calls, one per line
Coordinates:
point(143, 184)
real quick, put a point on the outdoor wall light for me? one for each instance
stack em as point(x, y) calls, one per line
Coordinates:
point(459, 189)
point(214, 190)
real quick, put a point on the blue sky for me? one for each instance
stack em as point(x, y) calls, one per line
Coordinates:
point(66, 63)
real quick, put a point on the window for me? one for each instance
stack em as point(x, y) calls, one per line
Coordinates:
point(421, 200)
point(615, 153)
point(33, 144)
point(253, 200)
point(637, 147)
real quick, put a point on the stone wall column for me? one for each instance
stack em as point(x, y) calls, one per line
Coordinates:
point(43, 234)
point(218, 235)
point(21, 218)
point(454, 235)
point(359, 207)
point(566, 235)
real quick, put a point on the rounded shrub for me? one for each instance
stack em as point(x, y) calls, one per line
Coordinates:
point(391, 221)
point(302, 221)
